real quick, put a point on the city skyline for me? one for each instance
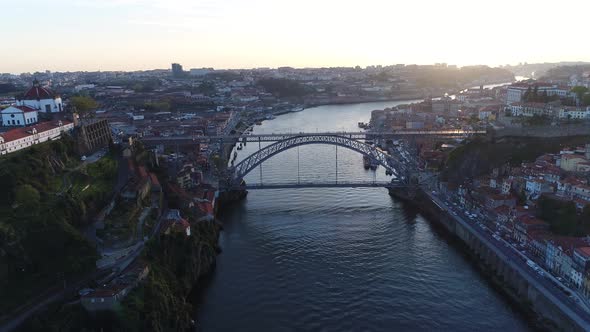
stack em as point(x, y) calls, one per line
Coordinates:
point(147, 34)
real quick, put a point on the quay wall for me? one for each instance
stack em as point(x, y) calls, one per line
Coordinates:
point(504, 273)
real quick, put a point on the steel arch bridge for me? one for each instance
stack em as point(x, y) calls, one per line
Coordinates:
point(390, 163)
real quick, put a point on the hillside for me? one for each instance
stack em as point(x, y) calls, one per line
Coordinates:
point(42, 203)
point(480, 157)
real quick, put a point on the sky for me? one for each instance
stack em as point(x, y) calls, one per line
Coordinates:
point(71, 35)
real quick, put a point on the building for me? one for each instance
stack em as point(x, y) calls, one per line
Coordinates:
point(108, 296)
point(569, 162)
point(18, 116)
point(41, 99)
point(516, 91)
point(200, 71)
point(174, 223)
point(21, 138)
point(177, 70)
point(527, 225)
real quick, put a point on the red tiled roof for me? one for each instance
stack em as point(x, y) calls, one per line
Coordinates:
point(584, 251)
point(154, 179)
point(38, 92)
point(530, 220)
point(18, 133)
point(24, 109)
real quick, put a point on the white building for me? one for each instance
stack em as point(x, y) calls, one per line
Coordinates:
point(516, 91)
point(18, 116)
point(41, 99)
point(21, 138)
point(574, 113)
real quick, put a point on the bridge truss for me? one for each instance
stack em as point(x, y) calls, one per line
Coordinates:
point(394, 165)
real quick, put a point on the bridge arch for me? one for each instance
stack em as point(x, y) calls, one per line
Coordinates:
point(244, 167)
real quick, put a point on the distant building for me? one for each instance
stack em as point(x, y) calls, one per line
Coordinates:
point(200, 71)
point(41, 99)
point(177, 70)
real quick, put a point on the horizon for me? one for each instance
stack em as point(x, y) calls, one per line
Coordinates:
point(187, 68)
point(132, 35)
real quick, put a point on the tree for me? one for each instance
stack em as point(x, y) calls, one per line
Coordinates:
point(83, 104)
point(580, 91)
point(561, 215)
point(27, 199)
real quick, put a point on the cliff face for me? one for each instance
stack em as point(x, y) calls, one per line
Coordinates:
point(177, 262)
point(159, 303)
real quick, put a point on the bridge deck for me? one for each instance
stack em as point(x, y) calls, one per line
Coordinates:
point(378, 184)
point(282, 136)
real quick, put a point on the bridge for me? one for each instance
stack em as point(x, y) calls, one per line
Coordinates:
point(404, 168)
point(275, 137)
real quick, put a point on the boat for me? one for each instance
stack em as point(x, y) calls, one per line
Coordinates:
point(258, 123)
point(298, 109)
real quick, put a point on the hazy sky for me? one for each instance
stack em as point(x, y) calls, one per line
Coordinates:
point(62, 35)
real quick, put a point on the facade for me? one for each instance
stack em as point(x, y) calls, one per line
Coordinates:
point(21, 138)
point(175, 223)
point(92, 135)
point(569, 162)
point(516, 91)
point(574, 113)
point(526, 225)
point(41, 99)
point(18, 116)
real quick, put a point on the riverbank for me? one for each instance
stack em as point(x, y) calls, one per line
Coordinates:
point(501, 270)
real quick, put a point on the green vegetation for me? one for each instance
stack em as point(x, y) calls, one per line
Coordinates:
point(480, 156)
point(207, 88)
point(7, 88)
point(42, 201)
point(533, 95)
point(563, 218)
point(159, 106)
point(159, 303)
point(538, 120)
point(282, 87)
point(561, 215)
point(582, 94)
point(458, 78)
point(83, 104)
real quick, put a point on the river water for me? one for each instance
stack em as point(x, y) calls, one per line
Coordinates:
point(340, 259)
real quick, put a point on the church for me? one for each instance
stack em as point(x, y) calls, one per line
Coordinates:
point(41, 99)
point(36, 100)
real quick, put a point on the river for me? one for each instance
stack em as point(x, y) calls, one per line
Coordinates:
point(340, 259)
